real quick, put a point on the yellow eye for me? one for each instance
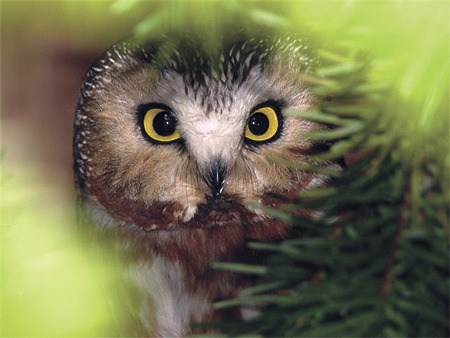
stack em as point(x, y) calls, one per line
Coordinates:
point(160, 125)
point(262, 125)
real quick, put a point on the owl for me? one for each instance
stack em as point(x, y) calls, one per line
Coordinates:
point(176, 148)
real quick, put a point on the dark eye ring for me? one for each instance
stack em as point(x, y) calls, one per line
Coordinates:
point(160, 125)
point(262, 125)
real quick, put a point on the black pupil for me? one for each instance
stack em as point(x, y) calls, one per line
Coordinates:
point(258, 124)
point(164, 124)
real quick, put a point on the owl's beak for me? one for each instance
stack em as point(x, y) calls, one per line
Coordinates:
point(215, 177)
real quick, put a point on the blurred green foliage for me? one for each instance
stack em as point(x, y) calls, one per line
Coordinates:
point(53, 284)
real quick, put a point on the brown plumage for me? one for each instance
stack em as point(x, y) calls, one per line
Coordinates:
point(182, 191)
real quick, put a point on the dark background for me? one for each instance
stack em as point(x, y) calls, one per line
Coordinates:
point(46, 48)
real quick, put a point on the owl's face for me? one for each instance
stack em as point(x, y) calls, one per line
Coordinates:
point(192, 142)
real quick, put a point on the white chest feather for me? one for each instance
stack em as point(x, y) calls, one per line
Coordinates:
point(166, 308)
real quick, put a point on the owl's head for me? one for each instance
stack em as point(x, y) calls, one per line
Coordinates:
point(172, 135)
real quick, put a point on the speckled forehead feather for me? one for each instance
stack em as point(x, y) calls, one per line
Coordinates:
point(199, 65)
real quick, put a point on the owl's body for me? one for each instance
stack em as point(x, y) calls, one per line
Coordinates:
point(174, 155)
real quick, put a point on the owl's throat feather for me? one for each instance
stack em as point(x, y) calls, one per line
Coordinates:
point(219, 231)
point(218, 226)
point(216, 211)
